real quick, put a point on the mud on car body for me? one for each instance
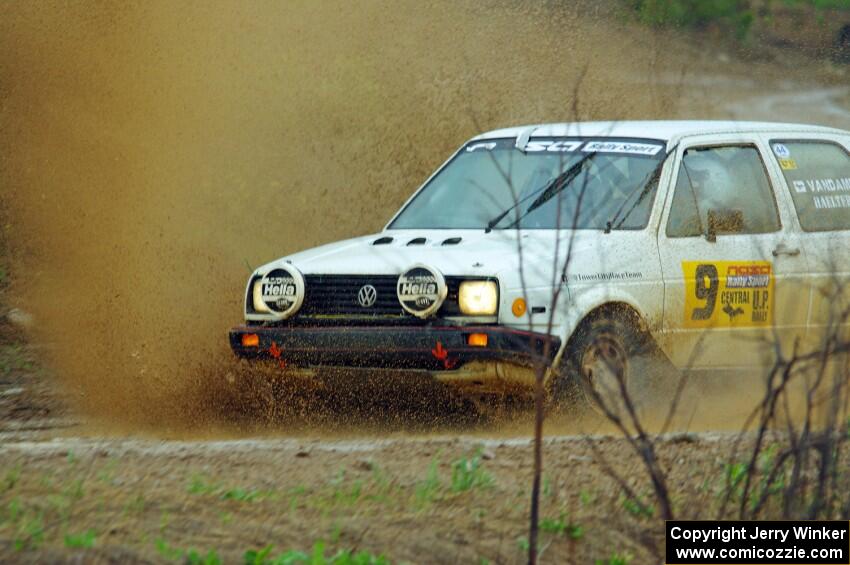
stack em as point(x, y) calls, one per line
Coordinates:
point(579, 245)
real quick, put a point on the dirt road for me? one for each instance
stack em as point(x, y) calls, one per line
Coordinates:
point(411, 499)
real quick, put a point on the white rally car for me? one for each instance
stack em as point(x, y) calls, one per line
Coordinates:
point(574, 245)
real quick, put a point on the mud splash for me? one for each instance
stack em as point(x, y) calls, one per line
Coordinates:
point(152, 154)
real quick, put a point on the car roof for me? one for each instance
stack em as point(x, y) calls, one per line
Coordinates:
point(662, 130)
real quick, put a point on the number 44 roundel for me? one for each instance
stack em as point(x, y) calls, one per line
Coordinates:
point(728, 293)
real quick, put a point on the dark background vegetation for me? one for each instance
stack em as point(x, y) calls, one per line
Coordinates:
point(150, 154)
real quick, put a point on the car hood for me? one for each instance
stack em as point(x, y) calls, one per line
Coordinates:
point(465, 253)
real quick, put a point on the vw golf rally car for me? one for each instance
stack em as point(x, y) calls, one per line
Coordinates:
point(577, 245)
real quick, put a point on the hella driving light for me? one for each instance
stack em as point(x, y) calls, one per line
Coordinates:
point(278, 294)
point(257, 298)
point(478, 298)
point(421, 290)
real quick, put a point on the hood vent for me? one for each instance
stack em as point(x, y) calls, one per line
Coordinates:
point(417, 241)
point(451, 241)
point(383, 240)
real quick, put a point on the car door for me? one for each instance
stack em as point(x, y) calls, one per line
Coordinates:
point(733, 268)
point(816, 170)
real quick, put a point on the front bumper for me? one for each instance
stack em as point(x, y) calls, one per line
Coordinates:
point(433, 348)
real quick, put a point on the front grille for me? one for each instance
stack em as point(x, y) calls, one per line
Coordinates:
point(333, 299)
point(331, 295)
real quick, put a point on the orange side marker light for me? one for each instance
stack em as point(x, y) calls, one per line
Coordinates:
point(250, 340)
point(477, 340)
point(518, 307)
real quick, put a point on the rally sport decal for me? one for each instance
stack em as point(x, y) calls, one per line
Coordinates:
point(728, 293)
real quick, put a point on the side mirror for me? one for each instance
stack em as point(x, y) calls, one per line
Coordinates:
point(724, 222)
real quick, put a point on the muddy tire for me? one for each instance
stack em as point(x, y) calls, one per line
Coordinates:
point(608, 355)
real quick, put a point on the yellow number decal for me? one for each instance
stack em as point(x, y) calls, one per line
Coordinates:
point(728, 293)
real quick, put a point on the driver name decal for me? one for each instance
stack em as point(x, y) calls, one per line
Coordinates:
point(728, 293)
point(824, 191)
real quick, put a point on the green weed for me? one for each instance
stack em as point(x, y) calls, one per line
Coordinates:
point(586, 498)
point(74, 491)
point(13, 510)
point(166, 551)
point(735, 474)
point(428, 490)
point(523, 544)
point(561, 526)
point(317, 557)
point(198, 485)
point(193, 557)
point(638, 508)
point(30, 533)
point(10, 479)
point(294, 496)
point(468, 474)
point(188, 556)
point(615, 559)
point(136, 505)
point(107, 473)
point(242, 495)
point(84, 540)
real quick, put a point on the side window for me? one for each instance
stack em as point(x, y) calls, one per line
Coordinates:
point(724, 188)
point(818, 174)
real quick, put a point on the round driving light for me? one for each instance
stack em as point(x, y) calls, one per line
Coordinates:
point(518, 307)
point(257, 298)
point(282, 291)
point(421, 290)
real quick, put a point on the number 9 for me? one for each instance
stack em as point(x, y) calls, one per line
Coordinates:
point(705, 292)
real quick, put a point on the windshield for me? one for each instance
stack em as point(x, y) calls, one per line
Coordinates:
point(567, 183)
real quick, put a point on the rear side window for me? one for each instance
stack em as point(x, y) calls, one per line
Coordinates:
point(728, 184)
point(818, 174)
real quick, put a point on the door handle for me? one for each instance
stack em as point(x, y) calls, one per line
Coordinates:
point(781, 249)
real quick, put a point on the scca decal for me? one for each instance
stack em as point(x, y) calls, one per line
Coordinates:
point(552, 146)
point(728, 293)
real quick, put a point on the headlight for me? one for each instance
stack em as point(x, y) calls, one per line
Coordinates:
point(478, 298)
point(257, 298)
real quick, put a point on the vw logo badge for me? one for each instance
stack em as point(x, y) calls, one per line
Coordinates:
point(367, 296)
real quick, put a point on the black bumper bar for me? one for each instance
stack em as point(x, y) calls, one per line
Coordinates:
point(434, 348)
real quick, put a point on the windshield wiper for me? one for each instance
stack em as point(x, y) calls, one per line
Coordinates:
point(561, 181)
point(492, 223)
point(655, 177)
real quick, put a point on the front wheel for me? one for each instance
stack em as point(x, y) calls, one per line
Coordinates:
point(608, 366)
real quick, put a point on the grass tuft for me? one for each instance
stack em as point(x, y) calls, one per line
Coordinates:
point(468, 474)
point(84, 540)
